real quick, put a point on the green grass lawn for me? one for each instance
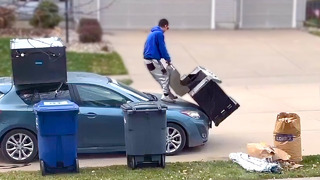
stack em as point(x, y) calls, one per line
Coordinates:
point(105, 64)
point(187, 170)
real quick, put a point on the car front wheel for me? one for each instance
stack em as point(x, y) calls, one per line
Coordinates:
point(19, 146)
point(176, 139)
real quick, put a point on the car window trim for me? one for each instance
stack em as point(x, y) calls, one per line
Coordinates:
point(76, 95)
point(72, 92)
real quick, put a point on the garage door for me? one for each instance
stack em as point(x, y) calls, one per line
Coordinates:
point(142, 14)
point(266, 13)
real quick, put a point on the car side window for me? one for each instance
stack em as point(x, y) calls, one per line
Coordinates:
point(97, 96)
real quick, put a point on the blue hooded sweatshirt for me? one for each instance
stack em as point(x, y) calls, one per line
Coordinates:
point(155, 47)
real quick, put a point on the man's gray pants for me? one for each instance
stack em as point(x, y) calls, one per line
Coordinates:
point(158, 75)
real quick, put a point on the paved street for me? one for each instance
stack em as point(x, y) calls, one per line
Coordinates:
point(267, 72)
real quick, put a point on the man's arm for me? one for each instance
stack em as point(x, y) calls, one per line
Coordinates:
point(163, 49)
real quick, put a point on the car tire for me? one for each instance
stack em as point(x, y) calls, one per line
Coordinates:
point(19, 142)
point(176, 139)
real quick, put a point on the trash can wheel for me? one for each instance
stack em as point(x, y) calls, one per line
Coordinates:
point(42, 168)
point(162, 162)
point(131, 160)
point(77, 166)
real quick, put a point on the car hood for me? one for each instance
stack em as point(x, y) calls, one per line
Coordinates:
point(179, 104)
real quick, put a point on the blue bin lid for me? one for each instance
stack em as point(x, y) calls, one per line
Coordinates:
point(55, 105)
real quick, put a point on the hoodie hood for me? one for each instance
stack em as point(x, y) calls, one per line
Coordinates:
point(156, 28)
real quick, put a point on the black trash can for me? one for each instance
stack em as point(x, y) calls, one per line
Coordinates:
point(208, 94)
point(145, 126)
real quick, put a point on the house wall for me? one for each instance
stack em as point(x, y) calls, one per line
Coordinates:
point(6, 2)
point(301, 12)
point(143, 14)
point(83, 9)
point(182, 14)
point(268, 14)
point(226, 14)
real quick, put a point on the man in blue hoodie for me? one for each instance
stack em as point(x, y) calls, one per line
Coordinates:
point(154, 50)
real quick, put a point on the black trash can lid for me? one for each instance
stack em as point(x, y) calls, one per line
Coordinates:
point(144, 106)
point(55, 105)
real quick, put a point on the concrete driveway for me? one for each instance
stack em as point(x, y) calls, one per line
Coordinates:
point(267, 72)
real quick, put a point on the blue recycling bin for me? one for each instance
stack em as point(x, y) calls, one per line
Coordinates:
point(57, 126)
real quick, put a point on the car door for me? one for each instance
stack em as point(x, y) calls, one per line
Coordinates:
point(101, 118)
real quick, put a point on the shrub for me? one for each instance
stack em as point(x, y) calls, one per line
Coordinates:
point(89, 31)
point(46, 15)
point(314, 22)
point(7, 17)
point(88, 22)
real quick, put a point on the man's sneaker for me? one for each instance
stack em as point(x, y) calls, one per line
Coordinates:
point(172, 96)
point(167, 99)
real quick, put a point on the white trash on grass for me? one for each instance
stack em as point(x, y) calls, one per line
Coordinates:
point(254, 164)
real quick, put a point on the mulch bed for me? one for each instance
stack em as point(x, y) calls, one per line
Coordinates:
point(25, 32)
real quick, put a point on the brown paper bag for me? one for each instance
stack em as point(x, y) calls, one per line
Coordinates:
point(260, 150)
point(280, 155)
point(287, 133)
point(265, 151)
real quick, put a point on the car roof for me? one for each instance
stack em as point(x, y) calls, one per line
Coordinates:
point(87, 77)
point(73, 77)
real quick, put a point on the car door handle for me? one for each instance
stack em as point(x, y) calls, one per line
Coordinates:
point(91, 115)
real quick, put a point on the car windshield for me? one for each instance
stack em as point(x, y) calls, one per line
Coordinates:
point(139, 95)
